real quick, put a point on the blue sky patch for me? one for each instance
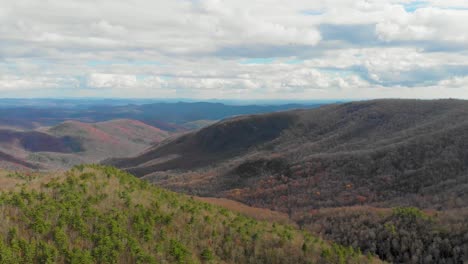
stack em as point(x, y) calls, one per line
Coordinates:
point(415, 5)
point(258, 61)
point(455, 8)
point(295, 61)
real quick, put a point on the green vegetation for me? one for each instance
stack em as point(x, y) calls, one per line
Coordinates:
point(380, 153)
point(97, 214)
point(399, 235)
point(410, 213)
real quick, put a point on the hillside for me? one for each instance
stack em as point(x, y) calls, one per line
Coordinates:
point(95, 214)
point(167, 116)
point(16, 147)
point(35, 141)
point(83, 131)
point(115, 138)
point(381, 150)
point(12, 163)
point(381, 153)
point(74, 142)
point(398, 235)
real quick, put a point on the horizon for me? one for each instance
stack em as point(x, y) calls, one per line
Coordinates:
point(227, 101)
point(45, 102)
point(234, 50)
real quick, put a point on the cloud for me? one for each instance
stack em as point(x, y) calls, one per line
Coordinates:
point(361, 34)
point(455, 82)
point(426, 24)
point(124, 83)
point(234, 49)
point(118, 81)
point(12, 83)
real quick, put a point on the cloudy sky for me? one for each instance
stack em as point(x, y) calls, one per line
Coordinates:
point(238, 49)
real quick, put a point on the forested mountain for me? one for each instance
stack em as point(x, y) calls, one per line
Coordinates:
point(45, 134)
point(74, 142)
point(354, 153)
point(381, 153)
point(95, 214)
point(167, 116)
point(119, 137)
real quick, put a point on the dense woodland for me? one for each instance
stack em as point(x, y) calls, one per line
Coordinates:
point(384, 151)
point(399, 235)
point(381, 153)
point(96, 214)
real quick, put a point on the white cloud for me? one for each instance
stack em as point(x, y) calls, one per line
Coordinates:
point(190, 48)
point(426, 24)
point(455, 82)
point(102, 80)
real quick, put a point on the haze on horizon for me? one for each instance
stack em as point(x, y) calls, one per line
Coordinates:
point(239, 49)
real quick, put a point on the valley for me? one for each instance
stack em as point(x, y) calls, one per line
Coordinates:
point(58, 134)
point(233, 132)
point(72, 142)
point(382, 179)
point(382, 154)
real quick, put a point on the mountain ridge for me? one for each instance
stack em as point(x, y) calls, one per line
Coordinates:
point(372, 175)
point(74, 142)
point(325, 143)
point(96, 214)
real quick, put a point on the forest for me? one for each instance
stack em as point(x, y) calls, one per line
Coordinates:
point(99, 214)
point(318, 165)
point(398, 235)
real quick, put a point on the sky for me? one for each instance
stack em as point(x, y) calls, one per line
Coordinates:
point(234, 49)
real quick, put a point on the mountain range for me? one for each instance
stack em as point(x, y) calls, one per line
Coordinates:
point(371, 154)
point(167, 116)
point(50, 134)
point(74, 142)
point(387, 178)
point(382, 152)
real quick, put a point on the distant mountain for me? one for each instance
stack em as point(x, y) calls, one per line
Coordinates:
point(120, 137)
point(91, 131)
point(194, 125)
point(186, 112)
point(10, 162)
point(384, 151)
point(17, 146)
point(74, 142)
point(167, 116)
point(381, 153)
point(35, 141)
point(95, 214)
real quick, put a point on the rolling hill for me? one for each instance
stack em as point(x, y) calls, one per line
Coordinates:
point(95, 214)
point(381, 153)
point(120, 137)
point(12, 163)
point(74, 142)
point(167, 116)
point(85, 131)
point(387, 151)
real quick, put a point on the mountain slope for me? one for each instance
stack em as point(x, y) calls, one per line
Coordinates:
point(167, 116)
point(223, 140)
point(318, 165)
point(10, 162)
point(17, 146)
point(74, 142)
point(384, 151)
point(111, 138)
point(35, 141)
point(94, 214)
point(102, 140)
